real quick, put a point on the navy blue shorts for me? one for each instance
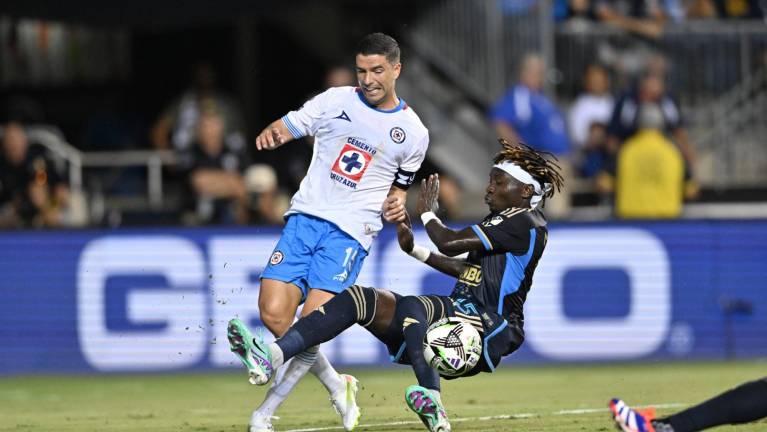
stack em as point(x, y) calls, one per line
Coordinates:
point(499, 338)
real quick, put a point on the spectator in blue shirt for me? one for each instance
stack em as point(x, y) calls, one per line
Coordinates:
point(526, 114)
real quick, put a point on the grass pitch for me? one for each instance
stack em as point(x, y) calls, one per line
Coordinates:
point(516, 398)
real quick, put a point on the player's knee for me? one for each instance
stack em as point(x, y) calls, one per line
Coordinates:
point(274, 317)
point(409, 306)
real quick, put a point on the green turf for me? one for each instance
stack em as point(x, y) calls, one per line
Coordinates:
point(222, 402)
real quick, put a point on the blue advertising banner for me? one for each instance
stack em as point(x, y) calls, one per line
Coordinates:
point(159, 300)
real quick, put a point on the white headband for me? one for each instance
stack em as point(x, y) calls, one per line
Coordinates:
point(523, 176)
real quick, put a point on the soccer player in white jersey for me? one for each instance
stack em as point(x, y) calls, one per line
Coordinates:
point(368, 146)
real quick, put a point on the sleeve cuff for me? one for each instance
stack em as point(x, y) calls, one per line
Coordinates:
point(291, 127)
point(483, 237)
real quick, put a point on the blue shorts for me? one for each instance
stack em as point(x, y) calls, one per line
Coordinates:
point(315, 253)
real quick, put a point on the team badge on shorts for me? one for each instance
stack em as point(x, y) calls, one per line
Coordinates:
point(397, 135)
point(276, 258)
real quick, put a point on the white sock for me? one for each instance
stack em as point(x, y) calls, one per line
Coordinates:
point(295, 371)
point(276, 354)
point(327, 375)
point(279, 374)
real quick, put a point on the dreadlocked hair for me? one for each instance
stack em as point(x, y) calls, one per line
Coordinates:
point(543, 169)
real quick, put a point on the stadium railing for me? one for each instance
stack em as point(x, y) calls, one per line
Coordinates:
point(75, 162)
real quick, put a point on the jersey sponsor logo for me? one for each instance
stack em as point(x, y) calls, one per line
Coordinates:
point(397, 135)
point(343, 116)
point(350, 165)
point(276, 258)
point(472, 275)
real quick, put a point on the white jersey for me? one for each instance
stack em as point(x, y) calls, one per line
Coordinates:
point(359, 153)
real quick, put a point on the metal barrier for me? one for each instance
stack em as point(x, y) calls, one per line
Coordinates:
point(705, 59)
point(75, 162)
point(478, 43)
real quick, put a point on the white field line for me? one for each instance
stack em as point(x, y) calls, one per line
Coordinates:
point(487, 418)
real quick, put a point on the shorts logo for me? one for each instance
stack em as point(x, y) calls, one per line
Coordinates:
point(276, 258)
point(397, 135)
point(350, 165)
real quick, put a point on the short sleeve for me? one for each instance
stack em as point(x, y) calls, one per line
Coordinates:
point(508, 231)
point(515, 108)
point(306, 120)
point(414, 159)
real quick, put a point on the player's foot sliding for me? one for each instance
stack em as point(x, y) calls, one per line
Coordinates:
point(252, 351)
point(628, 419)
point(429, 409)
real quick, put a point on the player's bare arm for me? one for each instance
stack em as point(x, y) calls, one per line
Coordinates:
point(394, 205)
point(448, 265)
point(273, 136)
point(448, 241)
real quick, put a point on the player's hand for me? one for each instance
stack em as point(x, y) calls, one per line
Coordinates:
point(405, 235)
point(269, 139)
point(394, 209)
point(428, 200)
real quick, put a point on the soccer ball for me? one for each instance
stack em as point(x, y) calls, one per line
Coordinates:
point(452, 346)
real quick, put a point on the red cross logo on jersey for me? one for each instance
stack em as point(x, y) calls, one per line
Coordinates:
point(352, 162)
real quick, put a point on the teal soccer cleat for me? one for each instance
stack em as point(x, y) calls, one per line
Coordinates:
point(252, 351)
point(429, 410)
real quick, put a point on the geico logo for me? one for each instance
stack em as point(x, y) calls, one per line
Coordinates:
point(192, 307)
point(639, 254)
point(204, 285)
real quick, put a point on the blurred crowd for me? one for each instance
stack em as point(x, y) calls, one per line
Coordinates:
point(616, 140)
point(647, 17)
point(628, 144)
point(622, 139)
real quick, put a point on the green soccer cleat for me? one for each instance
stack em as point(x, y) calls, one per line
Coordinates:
point(428, 408)
point(252, 351)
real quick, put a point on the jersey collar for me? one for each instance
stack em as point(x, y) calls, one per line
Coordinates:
point(401, 106)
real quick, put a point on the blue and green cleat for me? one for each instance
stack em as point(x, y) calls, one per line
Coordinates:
point(429, 409)
point(252, 351)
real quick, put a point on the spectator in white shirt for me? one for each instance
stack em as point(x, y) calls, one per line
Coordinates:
point(594, 105)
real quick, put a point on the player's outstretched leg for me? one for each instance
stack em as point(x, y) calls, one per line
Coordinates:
point(632, 420)
point(428, 408)
point(252, 351)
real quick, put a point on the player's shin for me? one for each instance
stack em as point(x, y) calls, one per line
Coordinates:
point(412, 316)
point(327, 322)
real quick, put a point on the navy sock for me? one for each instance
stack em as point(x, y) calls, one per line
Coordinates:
point(411, 316)
point(353, 305)
point(743, 404)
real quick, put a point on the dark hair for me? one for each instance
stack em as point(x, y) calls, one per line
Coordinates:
point(543, 169)
point(379, 43)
